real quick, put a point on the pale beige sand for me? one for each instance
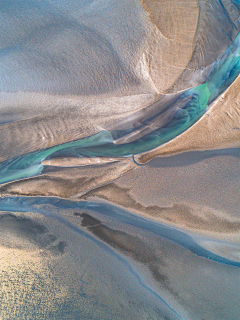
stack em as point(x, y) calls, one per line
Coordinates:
point(219, 128)
point(68, 182)
point(156, 43)
point(160, 60)
point(26, 267)
point(198, 192)
point(195, 217)
point(43, 121)
point(172, 42)
point(75, 162)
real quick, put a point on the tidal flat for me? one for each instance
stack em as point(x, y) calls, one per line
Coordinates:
point(119, 160)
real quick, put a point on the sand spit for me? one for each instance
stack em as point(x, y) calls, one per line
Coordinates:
point(219, 128)
point(75, 162)
point(68, 182)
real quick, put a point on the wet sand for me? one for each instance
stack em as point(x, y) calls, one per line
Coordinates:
point(219, 128)
point(85, 236)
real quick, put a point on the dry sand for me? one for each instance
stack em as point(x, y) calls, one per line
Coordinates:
point(219, 128)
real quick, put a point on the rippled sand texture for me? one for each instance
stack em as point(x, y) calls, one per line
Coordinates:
point(119, 159)
point(219, 128)
point(100, 261)
point(66, 75)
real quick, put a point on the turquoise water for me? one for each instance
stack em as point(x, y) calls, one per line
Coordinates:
point(224, 72)
point(92, 257)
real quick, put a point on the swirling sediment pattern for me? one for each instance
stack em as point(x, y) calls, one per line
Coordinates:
point(93, 224)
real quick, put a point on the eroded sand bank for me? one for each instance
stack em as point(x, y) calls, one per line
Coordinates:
point(219, 128)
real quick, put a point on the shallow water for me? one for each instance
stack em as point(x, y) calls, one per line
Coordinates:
point(90, 92)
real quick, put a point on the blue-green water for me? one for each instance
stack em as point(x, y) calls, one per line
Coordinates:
point(91, 257)
point(224, 72)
